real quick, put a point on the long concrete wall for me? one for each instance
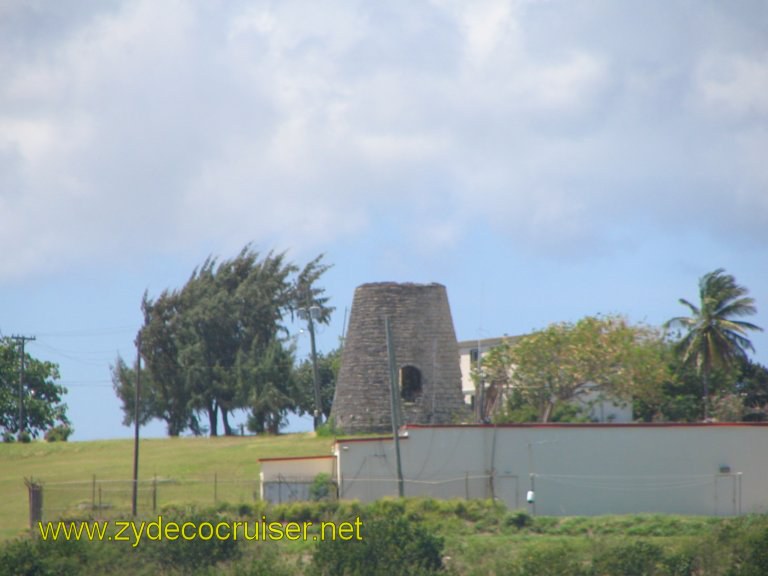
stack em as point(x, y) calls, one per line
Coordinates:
point(573, 469)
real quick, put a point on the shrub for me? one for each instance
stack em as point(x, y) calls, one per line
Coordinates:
point(554, 560)
point(59, 433)
point(187, 555)
point(41, 558)
point(519, 519)
point(25, 437)
point(755, 558)
point(327, 429)
point(635, 559)
point(390, 545)
point(680, 564)
point(322, 487)
point(266, 563)
point(8, 437)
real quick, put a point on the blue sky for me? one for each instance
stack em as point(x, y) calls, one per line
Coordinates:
point(544, 160)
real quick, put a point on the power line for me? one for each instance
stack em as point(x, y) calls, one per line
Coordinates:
point(87, 332)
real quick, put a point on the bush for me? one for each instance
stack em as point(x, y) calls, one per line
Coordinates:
point(40, 558)
point(8, 437)
point(755, 557)
point(390, 545)
point(558, 560)
point(266, 563)
point(519, 519)
point(59, 433)
point(188, 555)
point(635, 559)
point(327, 429)
point(681, 564)
point(25, 437)
point(322, 488)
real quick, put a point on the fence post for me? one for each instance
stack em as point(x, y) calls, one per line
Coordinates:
point(154, 494)
point(93, 492)
point(35, 490)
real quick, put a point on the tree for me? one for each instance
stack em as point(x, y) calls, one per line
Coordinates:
point(328, 369)
point(714, 337)
point(752, 384)
point(681, 399)
point(565, 362)
point(220, 343)
point(42, 405)
point(124, 383)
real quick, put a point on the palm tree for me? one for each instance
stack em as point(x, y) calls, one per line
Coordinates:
point(714, 337)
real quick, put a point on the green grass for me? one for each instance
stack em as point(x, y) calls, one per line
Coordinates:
point(174, 461)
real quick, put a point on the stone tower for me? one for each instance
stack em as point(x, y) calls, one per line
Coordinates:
point(426, 354)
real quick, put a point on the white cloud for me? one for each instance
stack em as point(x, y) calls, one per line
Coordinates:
point(734, 84)
point(299, 123)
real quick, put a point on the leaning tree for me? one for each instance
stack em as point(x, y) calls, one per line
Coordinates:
point(714, 336)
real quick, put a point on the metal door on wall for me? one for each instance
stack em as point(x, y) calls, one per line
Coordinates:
point(727, 494)
point(507, 489)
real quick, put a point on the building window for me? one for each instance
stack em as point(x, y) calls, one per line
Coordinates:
point(473, 354)
point(410, 383)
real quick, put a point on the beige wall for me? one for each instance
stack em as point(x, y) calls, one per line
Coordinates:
point(275, 468)
point(289, 479)
point(577, 469)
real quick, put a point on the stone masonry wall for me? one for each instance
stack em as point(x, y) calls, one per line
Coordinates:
point(424, 338)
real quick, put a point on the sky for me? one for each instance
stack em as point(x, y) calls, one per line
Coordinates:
point(543, 159)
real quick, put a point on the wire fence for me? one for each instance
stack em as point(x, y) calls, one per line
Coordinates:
point(109, 498)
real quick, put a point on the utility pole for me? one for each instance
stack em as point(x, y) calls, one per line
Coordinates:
point(137, 399)
point(311, 313)
point(395, 404)
point(22, 340)
point(315, 374)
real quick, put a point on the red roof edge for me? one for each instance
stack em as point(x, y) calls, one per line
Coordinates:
point(369, 439)
point(598, 425)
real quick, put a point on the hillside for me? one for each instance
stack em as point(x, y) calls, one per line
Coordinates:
point(189, 465)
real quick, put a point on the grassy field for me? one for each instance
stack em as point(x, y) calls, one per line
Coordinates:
point(187, 466)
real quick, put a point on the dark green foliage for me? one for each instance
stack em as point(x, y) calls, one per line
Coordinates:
point(752, 383)
point(634, 559)
point(391, 545)
point(266, 562)
point(328, 369)
point(220, 343)
point(37, 558)
point(680, 564)
point(714, 338)
point(755, 560)
point(59, 433)
point(518, 519)
point(187, 555)
point(328, 428)
point(557, 560)
point(322, 488)
point(43, 408)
